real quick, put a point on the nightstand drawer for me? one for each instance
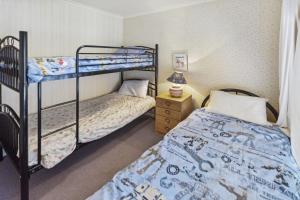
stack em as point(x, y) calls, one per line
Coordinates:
point(166, 121)
point(164, 103)
point(168, 113)
point(162, 129)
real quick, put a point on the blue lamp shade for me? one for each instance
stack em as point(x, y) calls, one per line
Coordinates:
point(177, 78)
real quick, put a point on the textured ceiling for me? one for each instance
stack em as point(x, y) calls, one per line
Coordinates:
point(129, 8)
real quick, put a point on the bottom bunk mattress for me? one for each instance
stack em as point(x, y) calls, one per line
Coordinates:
point(211, 156)
point(98, 117)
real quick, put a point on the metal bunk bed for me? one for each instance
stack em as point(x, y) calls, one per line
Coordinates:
point(14, 75)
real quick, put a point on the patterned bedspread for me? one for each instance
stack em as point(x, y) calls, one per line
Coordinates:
point(211, 156)
point(99, 117)
point(38, 68)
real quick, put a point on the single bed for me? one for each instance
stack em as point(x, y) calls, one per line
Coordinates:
point(98, 117)
point(211, 156)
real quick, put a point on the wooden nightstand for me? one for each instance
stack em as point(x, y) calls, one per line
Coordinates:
point(170, 111)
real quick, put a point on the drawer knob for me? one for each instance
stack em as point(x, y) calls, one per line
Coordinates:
point(168, 103)
point(166, 128)
point(167, 112)
point(167, 120)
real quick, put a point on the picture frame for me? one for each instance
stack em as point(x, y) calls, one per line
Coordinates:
point(180, 61)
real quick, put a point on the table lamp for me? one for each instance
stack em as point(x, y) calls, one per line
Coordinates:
point(177, 79)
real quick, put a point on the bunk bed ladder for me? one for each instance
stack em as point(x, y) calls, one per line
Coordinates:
point(39, 123)
point(39, 116)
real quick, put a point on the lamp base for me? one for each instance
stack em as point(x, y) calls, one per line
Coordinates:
point(176, 91)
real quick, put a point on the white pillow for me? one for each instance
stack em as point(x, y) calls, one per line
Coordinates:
point(137, 88)
point(252, 109)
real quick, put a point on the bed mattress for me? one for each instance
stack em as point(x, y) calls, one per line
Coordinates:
point(54, 67)
point(98, 117)
point(211, 156)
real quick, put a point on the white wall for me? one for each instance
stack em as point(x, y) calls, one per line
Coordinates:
point(230, 43)
point(58, 28)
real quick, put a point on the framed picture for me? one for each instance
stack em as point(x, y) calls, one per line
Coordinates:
point(180, 61)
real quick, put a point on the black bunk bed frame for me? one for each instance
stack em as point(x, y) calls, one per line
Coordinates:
point(14, 127)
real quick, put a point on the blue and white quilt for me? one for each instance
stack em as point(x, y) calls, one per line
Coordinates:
point(38, 68)
point(211, 156)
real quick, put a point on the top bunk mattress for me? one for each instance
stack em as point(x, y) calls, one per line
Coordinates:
point(54, 68)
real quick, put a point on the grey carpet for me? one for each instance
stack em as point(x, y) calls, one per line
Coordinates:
point(86, 170)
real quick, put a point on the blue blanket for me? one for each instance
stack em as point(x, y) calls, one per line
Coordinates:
point(39, 68)
point(211, 156)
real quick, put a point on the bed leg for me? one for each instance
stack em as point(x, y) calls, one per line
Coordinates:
point(24, 183)
point(1, 153)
